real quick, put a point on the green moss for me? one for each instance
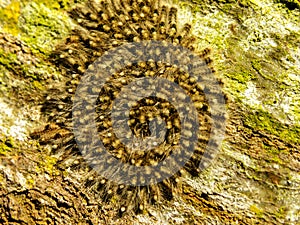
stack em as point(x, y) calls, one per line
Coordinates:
point(9, 17)
point(256, 64)
point(42, 27)
point(262, 120)
point(242, 76)
point(30, 182)
point(258, 211)
point(4, 149)
point(281, 212)
point(38, 85)
point(273, 154)
point(47, 164)
point(6, 145)
point(256, 49)
point(35, 73)
point(39, 23)
point(6, 59)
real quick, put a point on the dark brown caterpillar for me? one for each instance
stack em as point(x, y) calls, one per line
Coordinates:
point(101, 26)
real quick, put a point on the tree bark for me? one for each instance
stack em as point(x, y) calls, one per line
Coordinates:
point(254, 180)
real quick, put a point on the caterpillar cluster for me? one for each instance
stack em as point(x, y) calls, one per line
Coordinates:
point(104, 25)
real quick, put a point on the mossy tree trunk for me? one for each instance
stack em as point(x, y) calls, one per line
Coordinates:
point(254, 180)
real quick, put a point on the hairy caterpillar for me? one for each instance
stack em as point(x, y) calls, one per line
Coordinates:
point(104, 25)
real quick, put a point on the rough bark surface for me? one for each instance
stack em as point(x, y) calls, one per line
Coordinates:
point(254, 180)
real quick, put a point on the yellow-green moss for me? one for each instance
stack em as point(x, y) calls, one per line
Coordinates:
point(39, 23)
point(9, 17)
point(42, 27)
point(258, 49)
point(263, 121)
point(281, 212)
point(7, 145)
point(30, 182)
point(258, 211)
point(6, 59)
point(9, 62)
point(4, 148)
point(47, 164)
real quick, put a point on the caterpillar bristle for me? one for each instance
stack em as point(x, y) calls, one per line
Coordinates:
point(172, 20)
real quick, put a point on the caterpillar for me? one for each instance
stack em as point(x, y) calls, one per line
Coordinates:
point(100, 27)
